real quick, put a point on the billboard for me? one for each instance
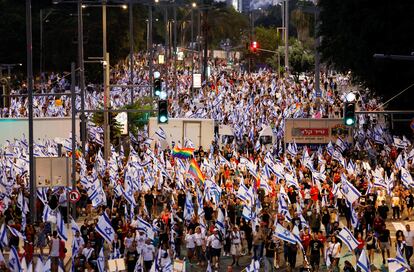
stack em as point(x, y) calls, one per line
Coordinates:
point(316, 131)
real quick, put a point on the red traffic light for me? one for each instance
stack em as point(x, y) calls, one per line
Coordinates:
point(254, 46)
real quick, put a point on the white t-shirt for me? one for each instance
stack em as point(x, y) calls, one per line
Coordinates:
point(189, 239)
point(235, 237)
point(409, 236)
point(148, 252)
point(334, 249)
point(214, 242)
point(199, 239)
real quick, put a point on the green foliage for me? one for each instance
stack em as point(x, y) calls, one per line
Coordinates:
point(301, 59)
point(137, 120)
point(354, 30)
point(115, 127)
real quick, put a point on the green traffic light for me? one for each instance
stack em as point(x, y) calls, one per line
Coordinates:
point(349, 121)
point(163, 119)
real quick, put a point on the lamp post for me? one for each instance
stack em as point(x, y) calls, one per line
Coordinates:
point(81, 75)
point(131, 48)
point(29, 67)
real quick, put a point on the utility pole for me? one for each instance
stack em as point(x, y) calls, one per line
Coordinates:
point(317, 56)
point(107, 144)
point(131, 46)
point(81, 76)
point(41, 48)
point(29, 44)
point(175, 51)
point(151, 51)
point(205, 59)
point(73, 102)
point(166, 36)
point(287, 35)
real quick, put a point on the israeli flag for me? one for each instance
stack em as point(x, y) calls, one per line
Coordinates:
point(406, 178)
point(16, 233)
point(139, 266)
point(340, 144)
point(400, 161)
point(105, 229)
point(330, 148)
point(161, 134)
point(242, 193)
point(292, 149)
point(61, 228)
point(285, 235)
point(348, 238)
point(253, 267)
point(189, 207)
point(3, 236)
point(220, 221)
point(100, 262)
point(14, 261)
point(48, 215)
point(363, 262)
point(349, 191)
point(74, 227)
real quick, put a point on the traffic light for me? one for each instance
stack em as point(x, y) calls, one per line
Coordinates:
point(157, 86)
point(254, 46)
point(162, 111)
point(349, 114)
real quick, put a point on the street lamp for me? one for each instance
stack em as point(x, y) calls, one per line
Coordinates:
point(194, 5)
point(124, 7)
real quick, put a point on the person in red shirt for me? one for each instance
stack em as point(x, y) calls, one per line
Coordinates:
point(314, 192)
point(305, 237)
point(360, 247)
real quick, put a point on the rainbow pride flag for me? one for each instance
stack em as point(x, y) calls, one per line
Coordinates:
point(182, 153)
point(195, 171)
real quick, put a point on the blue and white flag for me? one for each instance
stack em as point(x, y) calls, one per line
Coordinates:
point(100, 262)
point(161, 134)
point(406, 178)
point(348, 238)
point(139, 266)
point(363, 262)
point(104, 228)
point(341, 145)
point(74, 227)
point(61, 228)
point(349, 191)
point(16, 233)
point(399, 162)
point(189, 207)
point(254, 266)
point(285, 235)
point(3, 236)
point(14, 261)
point(292, 149)
point(220, 221)
point(48, 215)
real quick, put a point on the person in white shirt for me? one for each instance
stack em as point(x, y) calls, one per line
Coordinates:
point(200, 240)
point(87, 251)
point(78, 243)
point(409, 237)
point(235, 247)
point(215, 243)
point(190, 244)
point(148, 254)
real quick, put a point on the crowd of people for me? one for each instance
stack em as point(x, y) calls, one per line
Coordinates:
point(152, 206)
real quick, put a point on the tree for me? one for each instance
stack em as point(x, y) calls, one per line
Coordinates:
point(301, 59)
point(354, 30)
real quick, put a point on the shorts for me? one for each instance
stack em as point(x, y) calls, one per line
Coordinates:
point(235, 249)
point(314, 260)
point(385, 245)
point(215, 252)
